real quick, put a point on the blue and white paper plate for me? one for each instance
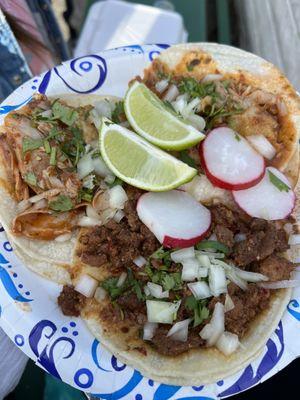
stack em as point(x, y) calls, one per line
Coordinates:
point(63, 346)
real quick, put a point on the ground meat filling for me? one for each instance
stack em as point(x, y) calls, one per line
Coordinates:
point(70, 301)
point(118, 243)
point(258, 249)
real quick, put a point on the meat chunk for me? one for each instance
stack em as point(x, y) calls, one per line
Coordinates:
point(118, 243)
point(247, 304)
point(235, 221)
point(224, 235)
point(70, 301)
point(133, 308)
point(168, 347)
point(275, 267)
point(260, 243)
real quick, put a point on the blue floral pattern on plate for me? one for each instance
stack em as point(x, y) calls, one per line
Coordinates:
point(63, 346)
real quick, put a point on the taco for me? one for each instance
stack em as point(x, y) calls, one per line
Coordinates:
point(186, 285)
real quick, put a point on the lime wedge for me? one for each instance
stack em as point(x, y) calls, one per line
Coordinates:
point(138, 162)
point(150, 118)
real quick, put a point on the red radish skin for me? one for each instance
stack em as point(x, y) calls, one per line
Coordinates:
point(183, 243)
point(221, 183)
point(174, 212)
point(265, 200)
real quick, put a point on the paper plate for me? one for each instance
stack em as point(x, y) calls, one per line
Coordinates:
point(63, 346)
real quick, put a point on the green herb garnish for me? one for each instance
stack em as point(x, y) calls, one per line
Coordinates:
point(29, 144)
point(110, 285)
point(85, 194)
point(213, 245)
point(281, 186)
point(53, 156)
point(47, 146)
point(65, 114)
point(187, 159)
point(237, 137)
point(161, 254)
point(61, 203)
point(117, 112)
point(30, 178)
point(116, 182)
point(201, 312)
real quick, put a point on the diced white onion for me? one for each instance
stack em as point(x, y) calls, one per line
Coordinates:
point(183, 254)
point(203, 260)
point(85, 166)
point(233, 277)
point(190, 269)
point(122, 279)
point(88, 181)
point(192, 106)
point(64, 237)
point(213, 236)
point(228, 343)
point(126, 124)
point(217, 280)
point(180, 103)
point(91, 212)
point(211, 255)
point(157, 291)
point(147, 291)
point(149, 330)
point(202, 272)
point(106, 215)
point(100, 294)
point(250, 276)
point(180, 330)
point(162, 85)
point(280, 284)
point(200, 290)
point(171, 94)
point(211, 77)
point(140, 261)
point(119, 215)
point(100, 167)
point(196, 121)
point(239, 237)
point(86, 285)
point(104, 108)
point(162, 312)
point(294, 239)
point(46, 113)
point(23, 205)
point(214, 329)
point(87, 221)
point(229, 304)
point(117, 197)
point(262, 145)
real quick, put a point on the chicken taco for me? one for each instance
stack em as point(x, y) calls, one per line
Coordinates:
point(174, 231)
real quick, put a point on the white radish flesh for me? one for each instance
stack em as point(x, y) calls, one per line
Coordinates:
point(229, 160)
point(262, 145)
point(174, 217)
point(266, 200)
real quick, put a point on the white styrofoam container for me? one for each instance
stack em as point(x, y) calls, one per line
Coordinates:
point(115, 23)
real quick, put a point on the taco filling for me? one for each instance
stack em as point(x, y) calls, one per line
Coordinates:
point(165, 270)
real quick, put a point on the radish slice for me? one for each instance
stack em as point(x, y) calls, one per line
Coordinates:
point(229, 161)
point(174, 217)
point(270, 199)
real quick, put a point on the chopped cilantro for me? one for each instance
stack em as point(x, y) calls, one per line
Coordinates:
point(30, 178)
point(213, 245)
point(95, 154)
point(162, 75)
point(237, 137)
point(65, 114)
point(171, 281)
point(53, 156)
point(110, 285)
point(85, 194)
point(170, 108)
point(62, 203)
point(47, 146)
point(281, 186)
point(29, 144)
point(161, 254)
point(117, 112)
point(201, 312)
point(194, 88)
point(187, 159)
point(116, 182)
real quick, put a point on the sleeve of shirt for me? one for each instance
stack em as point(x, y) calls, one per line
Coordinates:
point(12, 365)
